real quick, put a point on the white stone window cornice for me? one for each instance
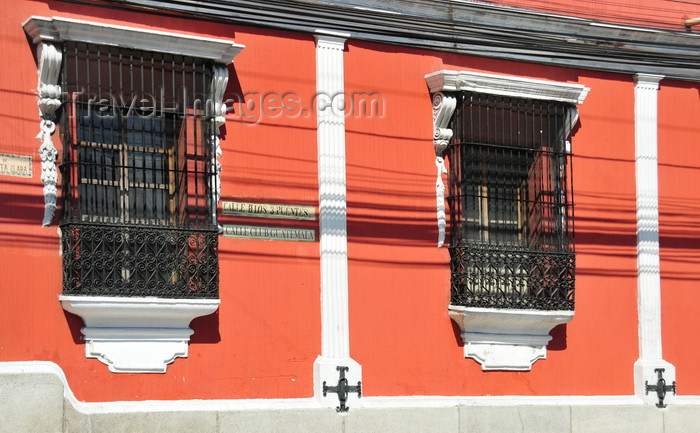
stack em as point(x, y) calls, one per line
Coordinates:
point(516, 87)
point(56, 29)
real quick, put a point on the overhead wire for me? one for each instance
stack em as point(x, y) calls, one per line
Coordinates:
point(466, 27)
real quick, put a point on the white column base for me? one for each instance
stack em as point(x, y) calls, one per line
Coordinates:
point(645, 373)
point(326, 370)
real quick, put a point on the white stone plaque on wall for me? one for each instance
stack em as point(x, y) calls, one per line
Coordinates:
point(266, 210)
point(15, 165)
point(269, 233)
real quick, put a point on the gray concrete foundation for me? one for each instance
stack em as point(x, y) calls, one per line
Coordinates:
point(41, 402)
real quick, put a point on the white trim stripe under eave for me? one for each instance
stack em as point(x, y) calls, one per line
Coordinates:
point(46, 367)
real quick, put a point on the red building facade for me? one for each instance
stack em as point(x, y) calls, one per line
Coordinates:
point(327, 224)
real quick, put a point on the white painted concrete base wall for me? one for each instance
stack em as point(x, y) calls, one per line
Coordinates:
point(35, 398)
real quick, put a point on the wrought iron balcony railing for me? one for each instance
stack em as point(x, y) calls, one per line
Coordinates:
point(117, 260)
point(505, 276)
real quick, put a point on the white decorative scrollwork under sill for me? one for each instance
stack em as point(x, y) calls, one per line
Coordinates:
point(506, 339)
point(137, 335)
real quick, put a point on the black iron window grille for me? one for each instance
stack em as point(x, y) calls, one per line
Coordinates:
point(511, 204)
point(138, 174)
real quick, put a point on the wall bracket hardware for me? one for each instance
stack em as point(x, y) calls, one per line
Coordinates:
point(661, 388)
point(342, 389)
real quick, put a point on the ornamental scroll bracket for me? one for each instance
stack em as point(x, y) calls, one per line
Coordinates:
point(443, 106)
point(218, 88)
point(49, 93)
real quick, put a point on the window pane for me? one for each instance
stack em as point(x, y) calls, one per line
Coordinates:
point(95, 126)
point(145, 131)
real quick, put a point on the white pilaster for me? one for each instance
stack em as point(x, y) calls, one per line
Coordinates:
point(648, 275)
point(335, 333)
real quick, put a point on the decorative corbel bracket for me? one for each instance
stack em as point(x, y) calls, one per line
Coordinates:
point(218, 88)
point(343, 389)
point(137, 335)
point(49, 93)
point(443, 106)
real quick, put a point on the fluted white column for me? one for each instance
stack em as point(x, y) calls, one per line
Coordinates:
point(648, 274)
point(332, 201)
point(335, 333)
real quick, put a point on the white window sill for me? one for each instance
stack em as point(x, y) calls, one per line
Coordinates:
point(506, 339)
point(137, 335)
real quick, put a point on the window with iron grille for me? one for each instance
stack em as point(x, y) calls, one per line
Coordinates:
point(138, 175)
point(511, 203)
